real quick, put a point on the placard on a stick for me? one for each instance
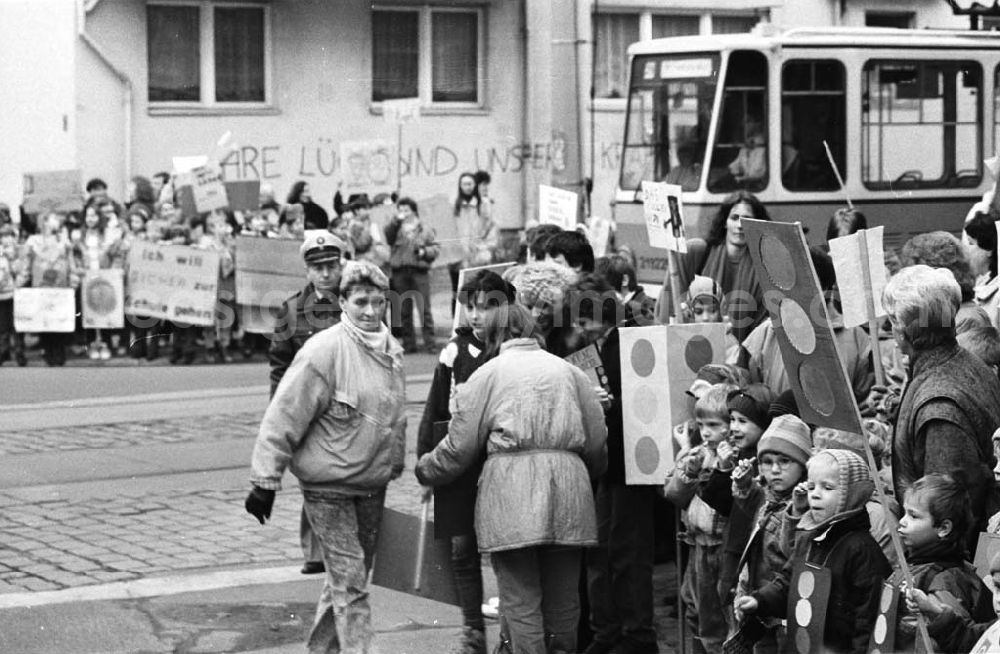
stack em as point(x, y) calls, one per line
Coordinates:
point(557, 206)
point(663, 210)
point(859, 260)
point(659, 363)
point(55, 190)
point(44, 310)
point(795, 303)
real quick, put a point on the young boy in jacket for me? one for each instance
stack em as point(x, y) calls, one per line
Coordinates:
point(833, 534)
point(704, 526)
point(413, 251)
point(782, 454)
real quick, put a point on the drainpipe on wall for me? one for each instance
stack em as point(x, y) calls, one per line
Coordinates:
point(526, 204)
point(580, 19)
point(85, 7)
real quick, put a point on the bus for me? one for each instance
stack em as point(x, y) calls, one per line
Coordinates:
point(907, 115)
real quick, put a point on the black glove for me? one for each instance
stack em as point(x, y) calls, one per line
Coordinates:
point(259, 503)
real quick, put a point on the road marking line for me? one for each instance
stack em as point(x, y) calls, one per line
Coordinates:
point(154, 586)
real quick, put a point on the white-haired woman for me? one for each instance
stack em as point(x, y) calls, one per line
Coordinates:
point(337, 420)
point(951, 406)
point(541, 426)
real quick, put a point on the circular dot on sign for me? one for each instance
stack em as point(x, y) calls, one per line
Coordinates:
point(777, 262)
point(647, 455)
point(100, 297)
point(802, 641)
point(803, 612)
point(798, 328)
point(807, 584)
point(881, 630)
point(816, 387)
point(643, 358)
point(644, 405)
point(697, 353)
point(886, 600)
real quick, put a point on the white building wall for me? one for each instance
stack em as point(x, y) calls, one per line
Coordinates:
point(37, 75)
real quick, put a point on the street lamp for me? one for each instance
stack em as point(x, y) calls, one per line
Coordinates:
point(974, 9)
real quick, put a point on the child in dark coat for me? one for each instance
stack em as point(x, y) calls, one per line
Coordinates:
point(833, 534)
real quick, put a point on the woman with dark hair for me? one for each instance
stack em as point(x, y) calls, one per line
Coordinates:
point(455, 503)
point(476, 232)
point(140, 192)
point(725, 258)
point(981, 244)
point(316, 216)
point(537, 421)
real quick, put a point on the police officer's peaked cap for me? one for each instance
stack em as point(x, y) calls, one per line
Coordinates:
point(320, 246)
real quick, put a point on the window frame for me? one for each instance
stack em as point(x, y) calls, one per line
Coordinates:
point(425, 63)
point(206, 49)
point(645, 17)
point(946, 181)
point(843, 166)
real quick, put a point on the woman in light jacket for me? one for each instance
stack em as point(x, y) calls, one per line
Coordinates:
point(337, 422)
point(542, 427)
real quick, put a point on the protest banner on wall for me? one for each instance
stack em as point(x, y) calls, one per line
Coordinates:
point(368, 165)
point(43, 310)
point(659, 363)
point(557, 206)
point(268, 271)
point(663, 210)
point(103, 297)
point(172, 282)
point(55, 190)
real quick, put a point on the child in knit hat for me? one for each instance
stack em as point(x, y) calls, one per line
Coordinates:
point(782, 454)
point(954, 630)
point(703, 302)
point(832, 534)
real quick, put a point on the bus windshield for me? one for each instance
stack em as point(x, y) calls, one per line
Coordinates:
point(669, 114)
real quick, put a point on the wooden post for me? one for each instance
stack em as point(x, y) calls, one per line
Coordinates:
point(421, 544)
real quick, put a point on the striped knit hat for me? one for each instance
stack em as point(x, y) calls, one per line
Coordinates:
point(854, 478)
point(787, 435)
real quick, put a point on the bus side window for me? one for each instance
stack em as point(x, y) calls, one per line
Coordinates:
point(813, 110)
point(921, 124)
point(739, 157)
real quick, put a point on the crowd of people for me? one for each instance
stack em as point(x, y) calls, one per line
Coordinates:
point(525, 456)
point(56, 249)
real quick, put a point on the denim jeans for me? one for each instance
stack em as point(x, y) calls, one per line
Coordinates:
point(347, 528)
point(413, 287)
point(702, 605)
point(539, 596)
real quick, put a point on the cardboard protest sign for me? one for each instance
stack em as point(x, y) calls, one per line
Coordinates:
point(56, 190)
point(172, 282)
point(243, 195)
point(663, 210)
point(808, 600)
point(883, 637)
point(368, 165)
point(43, 310)
point(207, 189)
point(459, 318)
point(797, 308)
point(588, 360)
point(187, 163)
point(404, 110)
point(396, 558)
point(859, 260)
point(103, 297)
point(268, 271)
point(659, 363)
point(557, 206)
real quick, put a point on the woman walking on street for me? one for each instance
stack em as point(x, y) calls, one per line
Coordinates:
point(337, 420)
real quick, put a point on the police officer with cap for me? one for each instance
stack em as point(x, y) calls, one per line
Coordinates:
point(308, 312)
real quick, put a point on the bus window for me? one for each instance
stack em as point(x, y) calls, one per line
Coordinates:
point(921, 124)
point(739, 159)
point(813, 110)
point(669, 111)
